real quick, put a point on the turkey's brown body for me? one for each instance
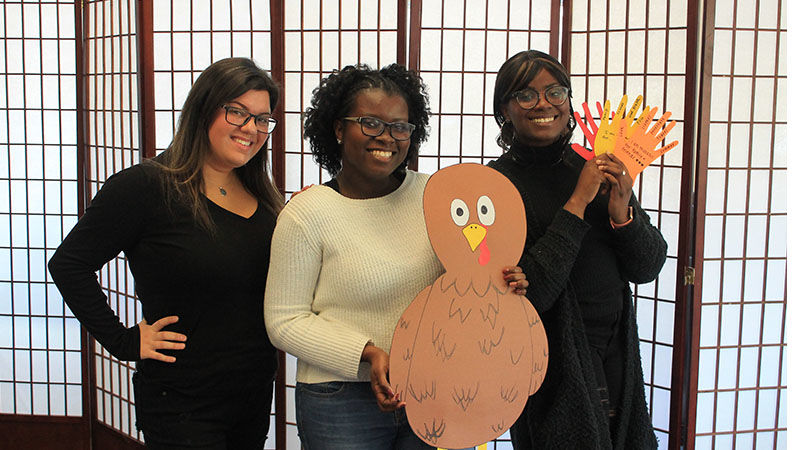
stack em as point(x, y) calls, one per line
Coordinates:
point(468, 351)
point(476, 357)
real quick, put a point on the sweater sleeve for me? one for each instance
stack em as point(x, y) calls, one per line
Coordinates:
point(292, 325)
point(111, 224)
point(548, 262)
point(640, 247)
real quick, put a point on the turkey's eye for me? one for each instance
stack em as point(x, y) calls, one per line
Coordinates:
point(459, 212)
point(485, 210)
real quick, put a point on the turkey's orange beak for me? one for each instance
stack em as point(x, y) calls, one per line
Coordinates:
point(474, 234)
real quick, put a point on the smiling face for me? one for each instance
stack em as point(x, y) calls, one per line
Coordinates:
point(233, 146)
point(544, 123)
point(372, 160)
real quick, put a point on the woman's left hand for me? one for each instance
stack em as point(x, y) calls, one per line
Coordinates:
point(515, 278)
point(620, 184)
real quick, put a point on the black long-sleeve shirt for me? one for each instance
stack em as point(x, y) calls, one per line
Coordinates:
point(580, 268)
point(598, 261)
point(214, 282)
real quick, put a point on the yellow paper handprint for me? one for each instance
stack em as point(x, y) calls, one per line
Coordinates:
point(607, 132)
point(632, 126)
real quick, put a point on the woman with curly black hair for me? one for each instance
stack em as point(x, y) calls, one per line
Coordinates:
point(354, 253)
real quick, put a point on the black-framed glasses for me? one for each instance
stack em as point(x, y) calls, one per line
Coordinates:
point(528, 98)
point(239, 117)
point(374, 127)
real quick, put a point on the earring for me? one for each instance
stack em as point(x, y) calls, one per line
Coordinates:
point(338, 141)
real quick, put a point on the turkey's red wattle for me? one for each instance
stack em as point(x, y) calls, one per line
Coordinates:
point(484, 257)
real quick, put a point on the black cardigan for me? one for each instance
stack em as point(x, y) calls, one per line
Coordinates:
point(566, 411)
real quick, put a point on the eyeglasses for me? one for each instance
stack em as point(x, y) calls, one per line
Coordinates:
point(240, 117)
point(374, 127)
point(528, 98)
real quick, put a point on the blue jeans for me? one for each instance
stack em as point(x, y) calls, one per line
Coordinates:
point(344, 415)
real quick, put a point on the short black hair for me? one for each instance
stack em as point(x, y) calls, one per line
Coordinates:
point(515, 74)
point(334, 98)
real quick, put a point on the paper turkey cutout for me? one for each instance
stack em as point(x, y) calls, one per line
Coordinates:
point(467, 352)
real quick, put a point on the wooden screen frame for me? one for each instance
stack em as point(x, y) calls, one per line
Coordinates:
point(77, 432)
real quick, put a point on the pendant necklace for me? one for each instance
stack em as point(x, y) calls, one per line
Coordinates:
point(223, 191)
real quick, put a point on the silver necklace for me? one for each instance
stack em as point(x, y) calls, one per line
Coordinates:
point(223, 191)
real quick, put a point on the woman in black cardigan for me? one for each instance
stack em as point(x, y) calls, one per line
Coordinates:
point(588, 238)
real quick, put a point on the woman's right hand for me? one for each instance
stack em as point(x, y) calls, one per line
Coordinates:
point(152, 339)
point(589, 184)
point(301, 190)
point(379, 371)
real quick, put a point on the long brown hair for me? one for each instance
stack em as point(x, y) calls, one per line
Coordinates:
point(183, 160)
point(515, 74)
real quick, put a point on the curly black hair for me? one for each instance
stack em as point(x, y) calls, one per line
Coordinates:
point(335, 96)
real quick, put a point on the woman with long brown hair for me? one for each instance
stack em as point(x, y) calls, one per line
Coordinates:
point(195, 224)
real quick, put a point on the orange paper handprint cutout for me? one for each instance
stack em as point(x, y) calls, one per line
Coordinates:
point(626, 138)
point(603, 138)
point(638, 149)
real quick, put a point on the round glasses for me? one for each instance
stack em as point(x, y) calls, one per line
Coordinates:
point(528, 98)
point(374, 127)
point(239, 117)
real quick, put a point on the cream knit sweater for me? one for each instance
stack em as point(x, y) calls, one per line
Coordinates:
point(343, 272)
